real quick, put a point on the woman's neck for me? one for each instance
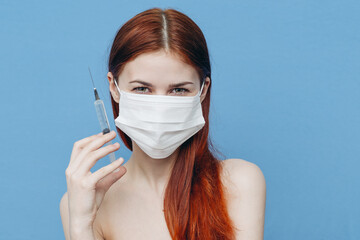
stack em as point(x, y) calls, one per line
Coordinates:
point(153, 174)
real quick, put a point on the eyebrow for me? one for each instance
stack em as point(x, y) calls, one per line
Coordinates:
point(171, 85)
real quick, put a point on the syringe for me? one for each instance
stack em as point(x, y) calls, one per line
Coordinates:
point(101, 114)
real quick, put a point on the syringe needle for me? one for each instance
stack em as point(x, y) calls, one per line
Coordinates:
point(91, 77)
point(95, 91)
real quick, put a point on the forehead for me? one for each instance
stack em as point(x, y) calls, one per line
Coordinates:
point(161, 66)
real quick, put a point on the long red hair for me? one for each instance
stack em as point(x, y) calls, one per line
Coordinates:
point(194, 202)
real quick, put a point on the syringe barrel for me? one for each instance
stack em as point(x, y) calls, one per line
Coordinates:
point(101, 114)
point(104, 123)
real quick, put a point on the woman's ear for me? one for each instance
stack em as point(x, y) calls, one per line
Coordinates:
point(205, 88)
point(112, 87)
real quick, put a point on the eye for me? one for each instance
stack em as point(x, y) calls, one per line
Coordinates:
point(180, 90)
point(140, 89)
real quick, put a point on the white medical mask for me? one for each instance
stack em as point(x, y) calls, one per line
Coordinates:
point(159, 124)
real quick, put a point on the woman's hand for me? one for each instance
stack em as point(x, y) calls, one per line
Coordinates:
point(86, 190)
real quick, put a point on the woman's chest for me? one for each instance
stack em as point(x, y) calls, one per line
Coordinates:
point(136, 219)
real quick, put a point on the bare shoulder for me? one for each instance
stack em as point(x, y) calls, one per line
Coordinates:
point(64, 214)
point(242, 175)
point(246, 196)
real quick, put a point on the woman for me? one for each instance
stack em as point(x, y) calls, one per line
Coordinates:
point(172, 187)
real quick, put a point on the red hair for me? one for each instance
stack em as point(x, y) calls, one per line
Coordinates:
point(194, 203)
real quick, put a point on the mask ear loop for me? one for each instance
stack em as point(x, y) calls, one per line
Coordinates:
point(202, 86)
point(117, 86)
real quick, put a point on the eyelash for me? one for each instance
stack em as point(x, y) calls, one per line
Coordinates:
point(185, 90)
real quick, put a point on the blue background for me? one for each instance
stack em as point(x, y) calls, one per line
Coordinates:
point(285, 96)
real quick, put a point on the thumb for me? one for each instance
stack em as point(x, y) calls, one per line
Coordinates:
point(105, 183)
